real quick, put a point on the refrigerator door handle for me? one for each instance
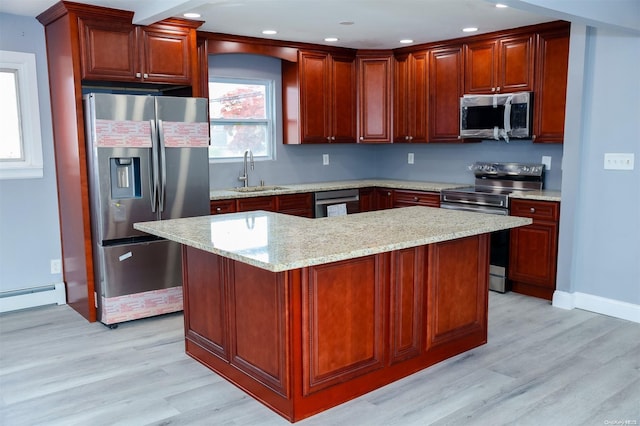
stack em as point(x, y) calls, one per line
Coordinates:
point(154, 167)
point(163, 167)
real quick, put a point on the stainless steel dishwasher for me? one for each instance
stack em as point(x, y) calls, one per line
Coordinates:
point(341, 201)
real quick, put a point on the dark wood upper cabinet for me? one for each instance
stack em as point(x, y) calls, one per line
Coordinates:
point(410, 100)
point(502, 65)
point(552, 62)
point(374, 98)
point(116, 50)
point(445, 90)
point(320, 98)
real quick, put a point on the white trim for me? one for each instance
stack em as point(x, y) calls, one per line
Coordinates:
point(600, 305)
point(31, 166)
point(30, 298)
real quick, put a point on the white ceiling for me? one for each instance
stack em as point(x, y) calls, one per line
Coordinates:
point(377, 24)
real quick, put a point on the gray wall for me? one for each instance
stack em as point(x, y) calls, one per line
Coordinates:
point(600, 217)
point(29, 227)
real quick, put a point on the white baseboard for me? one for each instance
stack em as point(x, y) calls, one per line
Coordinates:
point(600, 305)
point(32, 297)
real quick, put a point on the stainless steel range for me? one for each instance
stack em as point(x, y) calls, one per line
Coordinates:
point(490, 194)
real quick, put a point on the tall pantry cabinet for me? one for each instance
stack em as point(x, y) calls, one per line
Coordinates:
point(90, 46)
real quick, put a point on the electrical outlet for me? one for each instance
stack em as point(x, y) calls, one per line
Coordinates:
point(56, 266)
point(325, 159)
point(618, 161)
point(410, 158)
point(546, 160)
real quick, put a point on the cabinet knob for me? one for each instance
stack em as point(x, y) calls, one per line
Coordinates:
point(218, 209)
point(333, 138)
point(361, 138)
point(493, 89)
point(415, 198)
point(498, 89)
point(138, 75)
point(406, 138)
point(389, 194)
point(532, 209)
point(329, 138)
point(410, 138)
point(146, 75)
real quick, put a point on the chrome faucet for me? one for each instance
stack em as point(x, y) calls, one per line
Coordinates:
point(245, 177)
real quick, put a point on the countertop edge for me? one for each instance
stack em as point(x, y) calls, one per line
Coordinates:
point(284, 189)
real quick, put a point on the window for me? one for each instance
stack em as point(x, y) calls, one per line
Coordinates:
point(20, 141)
point(242, 117)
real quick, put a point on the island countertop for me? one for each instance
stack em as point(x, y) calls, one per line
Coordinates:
point(279, 242)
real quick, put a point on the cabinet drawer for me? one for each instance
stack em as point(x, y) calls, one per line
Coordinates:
point(257, 203)
point(540, 210)
point(223, 206)
point(295, 202)
point(416, 198)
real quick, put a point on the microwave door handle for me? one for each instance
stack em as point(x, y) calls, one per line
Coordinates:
point(507, 118)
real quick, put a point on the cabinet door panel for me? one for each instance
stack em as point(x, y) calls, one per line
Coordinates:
point(401, 97)
point(457, 293)
point(445, 90)
point(256, 203)
point(479, 67)
point(551, 86)
point(374, 100)
point(533, 254)
point(259, 325)
point(343, 103)
point(108, 50)
point(205, 294)
point(407, 301)
point(515, 71)
point(314, 99)
point(419, 101)
point(343, 329)
point(166, 55)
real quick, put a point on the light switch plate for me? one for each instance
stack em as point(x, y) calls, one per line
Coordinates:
point(618, 161)
point(410, 158)
point(325, 159)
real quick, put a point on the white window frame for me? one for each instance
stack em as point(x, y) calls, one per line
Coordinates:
point(270, 118)
point(30, 165)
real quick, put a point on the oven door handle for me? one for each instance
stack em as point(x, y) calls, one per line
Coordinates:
point(474, 203)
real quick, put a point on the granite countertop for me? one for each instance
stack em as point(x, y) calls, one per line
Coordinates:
point(225, 194)
point(279, 242)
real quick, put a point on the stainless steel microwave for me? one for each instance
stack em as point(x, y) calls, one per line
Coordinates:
point(504, 116)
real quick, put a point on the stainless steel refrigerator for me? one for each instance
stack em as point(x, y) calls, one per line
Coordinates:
point(147, 160)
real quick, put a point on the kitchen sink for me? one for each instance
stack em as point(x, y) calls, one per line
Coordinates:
point(257, 188)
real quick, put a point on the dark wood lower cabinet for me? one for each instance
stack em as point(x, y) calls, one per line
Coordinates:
point(306, 340)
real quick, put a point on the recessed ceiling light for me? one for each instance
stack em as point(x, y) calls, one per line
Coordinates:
point(470, 29)
point(406, 41)
point(191, 15)
point(269, 32)
point(331, 39)
point(501, 6)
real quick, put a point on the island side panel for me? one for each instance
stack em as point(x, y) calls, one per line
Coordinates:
point(457, 299)
point(237, 324)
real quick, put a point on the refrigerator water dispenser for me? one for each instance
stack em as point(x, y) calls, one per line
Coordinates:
point(125, 178)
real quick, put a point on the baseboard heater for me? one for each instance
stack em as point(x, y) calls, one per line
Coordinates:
point(31, 297)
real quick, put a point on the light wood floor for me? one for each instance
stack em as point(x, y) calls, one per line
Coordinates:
point(542, 366)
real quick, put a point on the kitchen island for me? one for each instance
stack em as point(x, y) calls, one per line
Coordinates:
point(305, 314)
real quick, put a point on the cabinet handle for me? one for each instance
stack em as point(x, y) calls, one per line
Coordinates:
point(532, 209)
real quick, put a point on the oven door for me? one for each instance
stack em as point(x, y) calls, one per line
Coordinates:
point(499, 253)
